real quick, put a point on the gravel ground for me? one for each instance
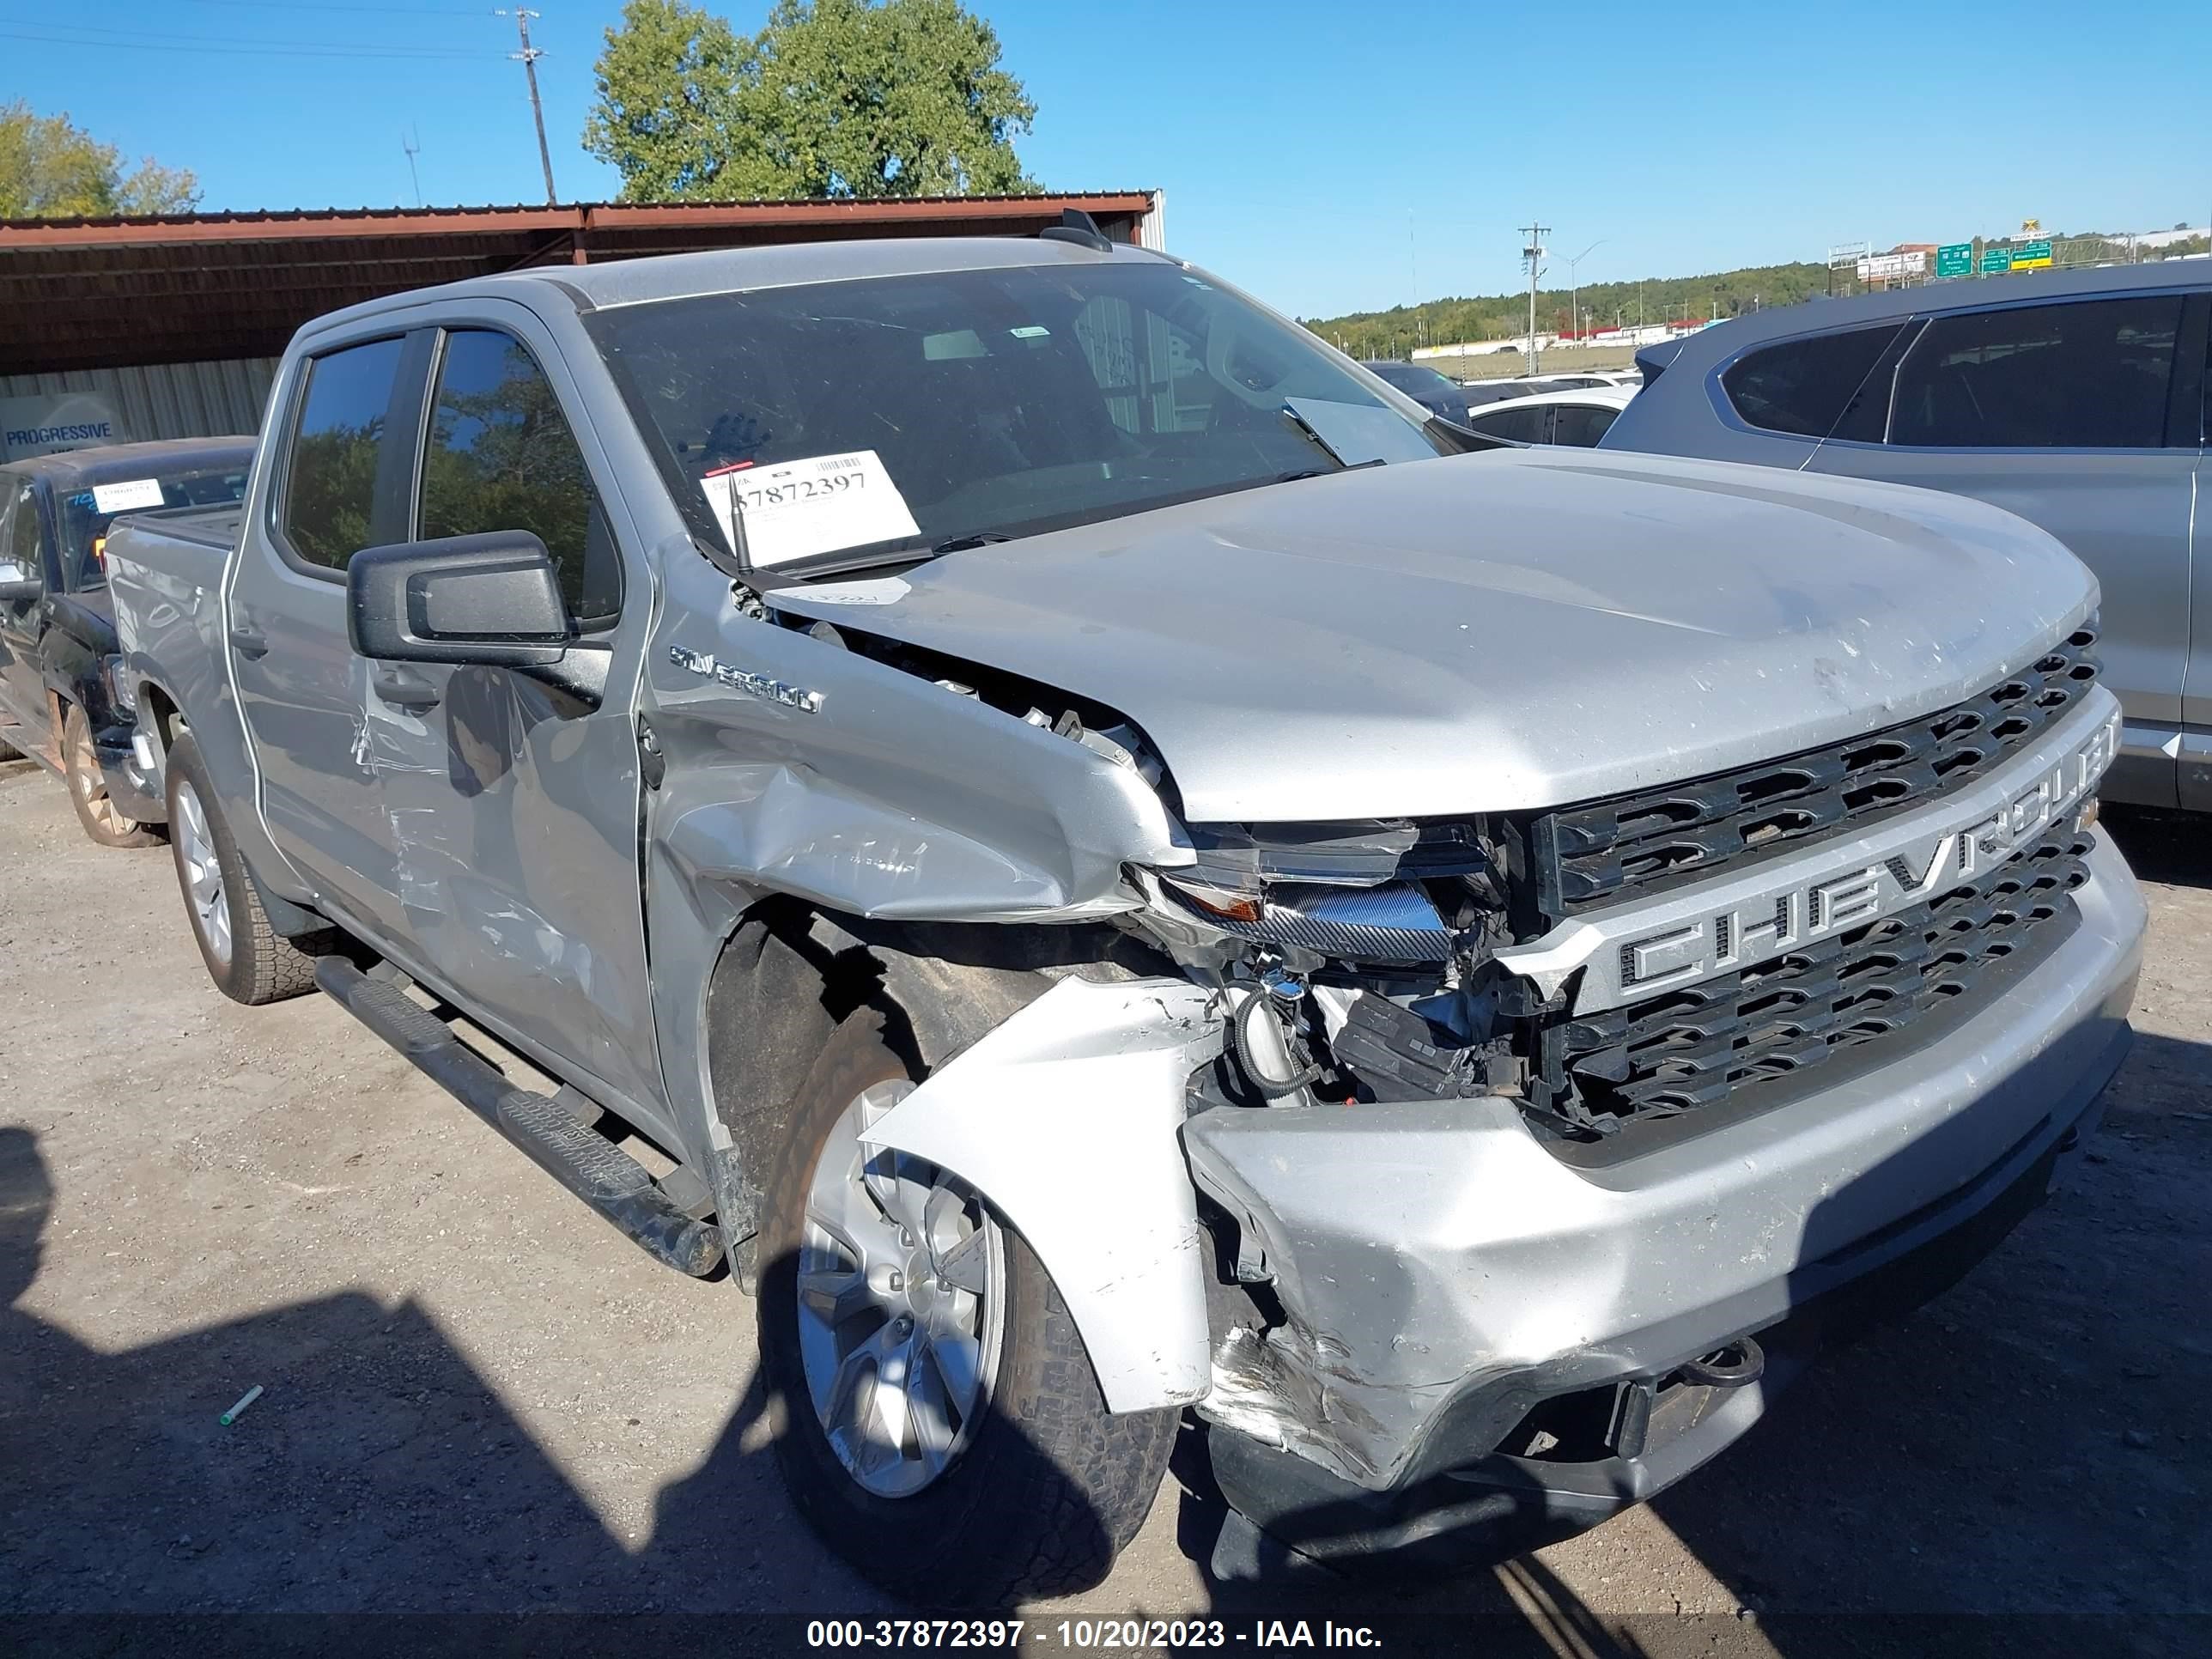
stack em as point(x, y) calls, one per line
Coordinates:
point(478, 1399)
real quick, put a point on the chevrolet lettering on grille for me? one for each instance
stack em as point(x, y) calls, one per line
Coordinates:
point(1698, 932)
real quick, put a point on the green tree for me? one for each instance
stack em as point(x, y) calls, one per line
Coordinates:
point(52, 168)
point(831, 98)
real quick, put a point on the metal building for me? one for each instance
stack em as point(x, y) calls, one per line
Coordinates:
point(117, 330)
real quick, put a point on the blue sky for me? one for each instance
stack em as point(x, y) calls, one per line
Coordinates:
point(1312, 152)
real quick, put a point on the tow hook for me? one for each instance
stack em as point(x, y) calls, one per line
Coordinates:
point(1741, 1361)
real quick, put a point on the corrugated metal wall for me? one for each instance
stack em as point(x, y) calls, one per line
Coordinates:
point(166, 400)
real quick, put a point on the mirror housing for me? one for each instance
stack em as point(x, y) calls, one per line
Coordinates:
point(19, 585)
point(493, 600)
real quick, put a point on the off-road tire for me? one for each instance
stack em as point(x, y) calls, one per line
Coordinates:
point(1050, 1487)
point(263, 966)
point(88, 788)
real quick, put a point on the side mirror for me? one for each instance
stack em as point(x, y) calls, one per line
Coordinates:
point(491, 600)
point(19, 585)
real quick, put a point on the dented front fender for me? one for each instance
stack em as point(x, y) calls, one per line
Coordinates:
point(1066, 1118)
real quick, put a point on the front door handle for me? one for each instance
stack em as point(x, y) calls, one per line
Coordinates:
point(249, 641)
point(404, 688)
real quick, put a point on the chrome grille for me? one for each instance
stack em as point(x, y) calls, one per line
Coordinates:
point(1750, 1030)
point(1614, 851)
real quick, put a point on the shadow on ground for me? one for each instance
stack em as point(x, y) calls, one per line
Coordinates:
point(2173, 848)
point(2030, 1445)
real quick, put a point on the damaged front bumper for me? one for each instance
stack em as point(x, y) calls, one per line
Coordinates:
point(131, 769)
point(1483, 1340)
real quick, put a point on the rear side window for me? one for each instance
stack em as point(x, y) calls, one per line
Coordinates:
point(1523, 426)
point(2090, 374)
point(1800, 387)
point(1581, 424)
point(502, 456)
point(332, 486)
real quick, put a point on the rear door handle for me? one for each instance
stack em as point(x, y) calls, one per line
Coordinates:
point(249, 641)
point(404, 688)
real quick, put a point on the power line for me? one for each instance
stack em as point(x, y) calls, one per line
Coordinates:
point(347, 6)
point(245, 40)
point(247, 48)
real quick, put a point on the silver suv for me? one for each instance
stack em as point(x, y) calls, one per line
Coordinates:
point(2075, 399)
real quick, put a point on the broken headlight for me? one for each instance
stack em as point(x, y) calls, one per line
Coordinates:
point(1384, 892)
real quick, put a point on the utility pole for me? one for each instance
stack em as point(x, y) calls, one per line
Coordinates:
point(529, 55)
point(1532, 253)
point(1414, 266)
point(412, 144)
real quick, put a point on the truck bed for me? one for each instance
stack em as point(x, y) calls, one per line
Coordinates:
point(165, 573)
point(209, 527)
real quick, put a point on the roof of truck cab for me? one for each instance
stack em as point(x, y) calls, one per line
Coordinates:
point(81, 469)
point(730, 270)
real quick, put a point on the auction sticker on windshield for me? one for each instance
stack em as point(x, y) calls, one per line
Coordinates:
point(793, 510)
point(127, 497)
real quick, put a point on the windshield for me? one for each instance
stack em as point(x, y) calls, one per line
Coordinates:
point(87, 514)
point(833, 423)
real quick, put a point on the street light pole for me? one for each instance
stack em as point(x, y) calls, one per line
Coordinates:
point(1574, 316)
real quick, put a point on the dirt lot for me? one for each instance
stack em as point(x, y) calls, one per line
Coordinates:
point(479, 1398)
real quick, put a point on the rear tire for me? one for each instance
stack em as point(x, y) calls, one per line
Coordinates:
point(88, 787)
point(1042, 1487)
point(245, 957)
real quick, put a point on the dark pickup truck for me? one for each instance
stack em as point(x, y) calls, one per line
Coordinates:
point(60, 702)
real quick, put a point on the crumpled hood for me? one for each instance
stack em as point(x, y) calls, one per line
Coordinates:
point(1499, 631)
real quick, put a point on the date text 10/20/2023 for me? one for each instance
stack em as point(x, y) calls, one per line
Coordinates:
point(1081, 1634)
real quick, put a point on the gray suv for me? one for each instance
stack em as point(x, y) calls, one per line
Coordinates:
point(2075, 399)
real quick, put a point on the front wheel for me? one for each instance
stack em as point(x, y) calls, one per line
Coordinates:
point(937, 1420)
point(87, 785)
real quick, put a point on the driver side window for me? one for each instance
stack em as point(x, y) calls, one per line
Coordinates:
point(502, 456)
point(21, 548)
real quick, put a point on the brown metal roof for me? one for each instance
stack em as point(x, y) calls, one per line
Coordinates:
point(185, 287)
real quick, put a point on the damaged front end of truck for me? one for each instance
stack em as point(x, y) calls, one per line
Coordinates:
point(1471, 1173)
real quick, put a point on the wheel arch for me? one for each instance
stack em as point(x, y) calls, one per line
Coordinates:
point(787, 974)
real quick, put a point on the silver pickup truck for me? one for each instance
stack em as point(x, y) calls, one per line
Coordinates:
point(1124, 874)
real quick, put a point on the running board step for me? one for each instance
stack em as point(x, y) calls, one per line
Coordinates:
point(587, 1162)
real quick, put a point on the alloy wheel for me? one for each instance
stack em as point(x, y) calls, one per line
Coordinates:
point(901, 1304)
point(202, 873)
point(92, 788)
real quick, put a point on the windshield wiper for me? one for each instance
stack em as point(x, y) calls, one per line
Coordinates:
point(1325, 471)
point(962, 543)
point(1291, 413)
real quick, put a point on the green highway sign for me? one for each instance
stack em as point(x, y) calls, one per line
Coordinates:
point(1955, 259)
point(1996, 260)
point(2030, 256)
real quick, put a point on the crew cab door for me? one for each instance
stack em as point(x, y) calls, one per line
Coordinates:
point(512, 795)
point(2082, 415)
point(338, 484)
